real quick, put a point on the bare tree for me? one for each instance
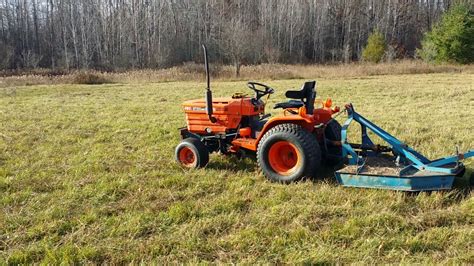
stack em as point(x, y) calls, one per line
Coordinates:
point(237, 42)
point(160, 33)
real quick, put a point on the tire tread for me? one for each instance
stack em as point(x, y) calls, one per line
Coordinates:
point(308, 142)
point(202, 152)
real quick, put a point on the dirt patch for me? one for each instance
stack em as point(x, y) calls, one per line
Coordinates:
point(376, 166)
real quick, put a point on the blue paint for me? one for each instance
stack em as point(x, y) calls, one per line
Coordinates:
point(421, 183)
point(418, 173)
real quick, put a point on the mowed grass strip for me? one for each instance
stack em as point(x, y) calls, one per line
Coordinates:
point(87, 175)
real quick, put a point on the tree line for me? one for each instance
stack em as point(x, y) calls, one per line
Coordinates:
point(124, 34)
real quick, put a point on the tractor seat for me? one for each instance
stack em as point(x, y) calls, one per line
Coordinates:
point(289, 104)
point(305, 92)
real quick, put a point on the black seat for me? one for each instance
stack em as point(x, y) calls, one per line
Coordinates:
point(289, 104)
point(306, 91)
point(304, 97)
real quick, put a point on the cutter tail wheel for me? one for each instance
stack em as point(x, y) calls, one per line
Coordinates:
point(288, 153)
point(192, 153)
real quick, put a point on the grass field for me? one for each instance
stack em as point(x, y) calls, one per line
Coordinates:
point(87, 175)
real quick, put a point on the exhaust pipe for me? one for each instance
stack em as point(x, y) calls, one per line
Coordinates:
point(209, 109)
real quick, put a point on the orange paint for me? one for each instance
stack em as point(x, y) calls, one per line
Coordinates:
point(246, 143)
point(245, 132)
point(284, 157)
point(187, 157)
point(328, 103)
point(227, 111)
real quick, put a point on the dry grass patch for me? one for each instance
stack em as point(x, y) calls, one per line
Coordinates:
point(195, 72)
point(89, 78)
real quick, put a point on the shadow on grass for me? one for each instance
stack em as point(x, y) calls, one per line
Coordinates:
point(462, 186)
point(249, 165)
point(232, 163)
point(327, 173)
point(465, 184)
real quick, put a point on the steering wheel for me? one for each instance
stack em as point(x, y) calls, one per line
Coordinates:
point(260, 93)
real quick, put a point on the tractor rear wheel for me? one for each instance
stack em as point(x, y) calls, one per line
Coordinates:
point(333, 154)
point(288, 153)
point(192, 153)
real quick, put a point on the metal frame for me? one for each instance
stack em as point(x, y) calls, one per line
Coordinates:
point(409, 157)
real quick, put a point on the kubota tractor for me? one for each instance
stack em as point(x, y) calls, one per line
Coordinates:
point(293, 145)
point(288, 147)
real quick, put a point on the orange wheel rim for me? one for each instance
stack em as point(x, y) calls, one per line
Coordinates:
point(187, 157)
point(284, 157)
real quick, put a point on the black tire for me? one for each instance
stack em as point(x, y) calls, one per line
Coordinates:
point(199, 152)
point(333, 154)
point(308, 152)
point(461, 173)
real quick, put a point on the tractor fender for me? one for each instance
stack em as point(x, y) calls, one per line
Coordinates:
point(306, 122)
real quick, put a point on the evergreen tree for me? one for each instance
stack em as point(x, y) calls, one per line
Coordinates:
point(452, 39)
point(375, 49)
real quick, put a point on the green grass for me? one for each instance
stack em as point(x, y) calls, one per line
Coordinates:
point(87, 175)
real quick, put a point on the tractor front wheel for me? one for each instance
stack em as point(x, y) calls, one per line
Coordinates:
point(288, 153)
point(192, 153)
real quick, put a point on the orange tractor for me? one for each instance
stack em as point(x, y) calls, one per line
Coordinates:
point(288, 147)
point(293, 145)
